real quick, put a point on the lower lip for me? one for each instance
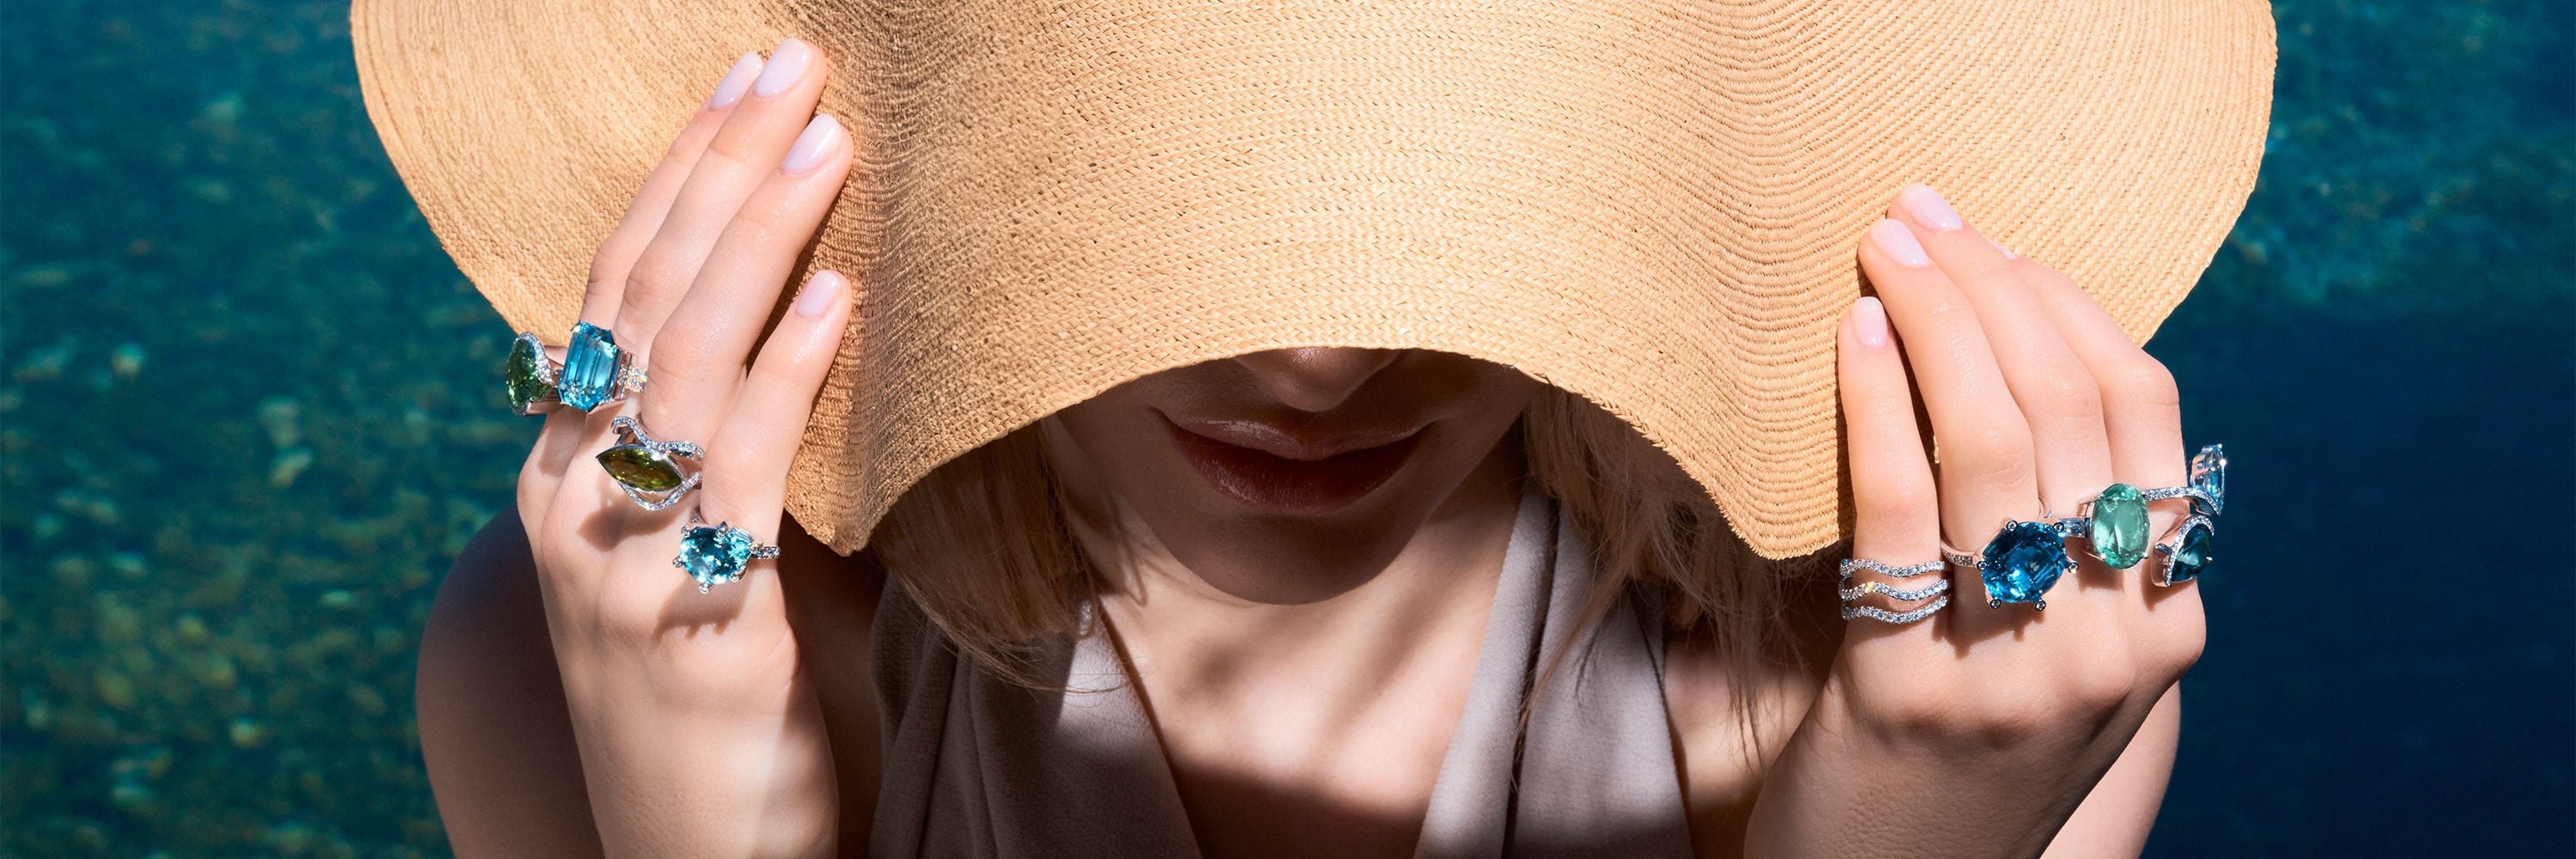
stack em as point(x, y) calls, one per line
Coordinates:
point(1274, 484)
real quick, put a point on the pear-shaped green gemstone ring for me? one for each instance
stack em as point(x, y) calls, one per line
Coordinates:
point(650, 470)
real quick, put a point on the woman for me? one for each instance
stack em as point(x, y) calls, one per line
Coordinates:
point(1298, 556)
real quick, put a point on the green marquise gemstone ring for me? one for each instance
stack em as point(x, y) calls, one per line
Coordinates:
point(649, 469)
point(528, 375)
point(714, 555)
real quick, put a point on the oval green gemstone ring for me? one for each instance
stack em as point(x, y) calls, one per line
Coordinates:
point(650, 470)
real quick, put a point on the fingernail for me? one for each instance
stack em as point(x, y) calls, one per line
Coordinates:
point(736, 82)
point(1898, 243)
point(811, 146)
point(2008, 254)
point(1870, 319)
point(818, 293)
point(786, 65)
point(1928, 208)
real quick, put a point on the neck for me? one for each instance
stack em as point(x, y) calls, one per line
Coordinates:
point(1439, 587)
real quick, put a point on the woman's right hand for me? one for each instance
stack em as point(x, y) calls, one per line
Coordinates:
point(699, 731)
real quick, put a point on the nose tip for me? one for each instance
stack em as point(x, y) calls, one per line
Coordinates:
point(1315, 378)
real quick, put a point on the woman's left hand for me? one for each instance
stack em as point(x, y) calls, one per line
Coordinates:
point(1979, 731)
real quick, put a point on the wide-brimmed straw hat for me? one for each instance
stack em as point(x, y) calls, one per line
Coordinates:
point(1654, 204)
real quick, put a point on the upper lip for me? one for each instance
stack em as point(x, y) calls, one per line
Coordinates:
point(1302, 443)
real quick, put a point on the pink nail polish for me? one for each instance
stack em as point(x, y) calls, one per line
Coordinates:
point(786, 65)
point(2008, 254)
point(1928, 208)
point(736, 82)
point(1892, 238)
point(1869, 318)
point(819, 138)
point(818, 294)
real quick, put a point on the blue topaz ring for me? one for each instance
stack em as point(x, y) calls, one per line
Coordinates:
point(650, 469)
point(1938, 591)
point(2185, 550)
point(2024, 560)
point(594, 372)
point(717, 554)
point(2208, 487)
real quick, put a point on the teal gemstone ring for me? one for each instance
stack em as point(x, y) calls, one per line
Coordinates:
point(2208, 487)
point(650, 469)
point(2023, 561)
point(594, 372)
point(717, 554)
point(2186, 551)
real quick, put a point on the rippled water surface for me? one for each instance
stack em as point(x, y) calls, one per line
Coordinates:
point(249, 413)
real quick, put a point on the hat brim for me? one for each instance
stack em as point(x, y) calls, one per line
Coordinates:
point(1653, 205)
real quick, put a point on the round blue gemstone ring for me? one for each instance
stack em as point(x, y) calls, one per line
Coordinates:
point(717, 554)
point(2023, 561)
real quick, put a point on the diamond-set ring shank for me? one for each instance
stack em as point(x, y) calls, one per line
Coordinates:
point(1938, 591)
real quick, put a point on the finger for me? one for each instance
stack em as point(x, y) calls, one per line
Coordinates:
point(567, 430)
point(2054, 390)
point(744, 151)
point(697, 359)
point(2142, 405)
point(1984, 470)
point(1897, 506)
point(747, 467)
point(616, 254)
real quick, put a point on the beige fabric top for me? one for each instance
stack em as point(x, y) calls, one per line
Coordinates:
point(975, 766)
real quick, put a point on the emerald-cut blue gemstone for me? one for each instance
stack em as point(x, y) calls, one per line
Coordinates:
point(2023, 562)
point(2190, 553)
point(589, 367)
point(2209, 475)
point(714, 554)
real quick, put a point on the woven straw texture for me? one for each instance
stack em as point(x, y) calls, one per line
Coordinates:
point(1651, 203)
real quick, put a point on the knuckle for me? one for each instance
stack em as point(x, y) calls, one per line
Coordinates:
point(2099, 687)
point(2147, 383)
point(1907, 707)
point(2066, 395)
point(2000, 452)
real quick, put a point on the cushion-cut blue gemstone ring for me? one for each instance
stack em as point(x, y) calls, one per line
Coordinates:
point(717, 554)
point(2023, 561)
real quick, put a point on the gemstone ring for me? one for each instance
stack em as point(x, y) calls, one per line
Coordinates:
point(714, 555)
point(2023, 561)
point(2208, 487)
point(2186, 554)
point(528, 375)
point(594, 372)
point(1937, 591)
point(649, 469)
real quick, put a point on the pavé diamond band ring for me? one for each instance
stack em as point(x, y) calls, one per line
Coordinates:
point(716, 554)
point(1937, 591)
point(654, 472)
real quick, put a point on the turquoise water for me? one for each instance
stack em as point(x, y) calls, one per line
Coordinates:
point(249, 413)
